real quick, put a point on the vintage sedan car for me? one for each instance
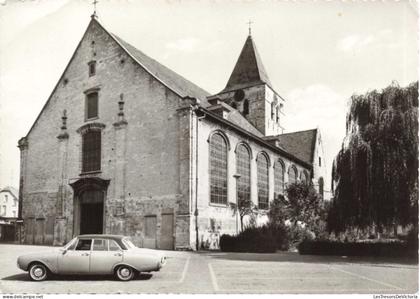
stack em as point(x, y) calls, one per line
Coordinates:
point(93, 254)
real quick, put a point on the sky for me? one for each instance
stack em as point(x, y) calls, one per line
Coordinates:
point(316, 53)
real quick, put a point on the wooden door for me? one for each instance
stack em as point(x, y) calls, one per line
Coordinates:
point(91, 218)
point(150, 232)
point(92, 212)
point(29, 230)
point(39, 230)
point(167, 232)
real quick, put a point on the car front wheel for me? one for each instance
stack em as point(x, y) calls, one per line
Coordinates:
point(38, 272)
point(124, 273)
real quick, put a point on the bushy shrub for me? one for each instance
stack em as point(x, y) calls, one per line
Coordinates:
point(412, 238)
point(227, 243)
point(253, 239)
point(390, 248)
point(297, 234)
point(281, 234)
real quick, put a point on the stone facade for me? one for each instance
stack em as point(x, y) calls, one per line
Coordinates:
point(140, 158)
point(153, 182)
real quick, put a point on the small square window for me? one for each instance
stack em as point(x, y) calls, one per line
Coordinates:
point(92, 68)
point(92, 105)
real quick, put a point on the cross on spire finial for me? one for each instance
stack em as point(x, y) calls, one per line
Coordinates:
point(249, 26)
point(94, 8)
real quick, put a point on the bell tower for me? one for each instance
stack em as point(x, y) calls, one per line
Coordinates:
point(250, 91)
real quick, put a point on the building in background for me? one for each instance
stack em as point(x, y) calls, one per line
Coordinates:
point(9, 212)
point(125, 145)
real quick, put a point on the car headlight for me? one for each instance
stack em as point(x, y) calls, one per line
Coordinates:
point(163, 260)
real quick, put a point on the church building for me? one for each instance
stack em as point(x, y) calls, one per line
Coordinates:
point(124, 145)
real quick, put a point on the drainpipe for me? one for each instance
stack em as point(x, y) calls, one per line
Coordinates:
point(237, 177)
point(198, 118)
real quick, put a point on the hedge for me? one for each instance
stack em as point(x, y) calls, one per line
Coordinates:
point(265, 239)
point(391, 249)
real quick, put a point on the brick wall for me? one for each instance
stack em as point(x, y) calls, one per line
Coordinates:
point(149, 167)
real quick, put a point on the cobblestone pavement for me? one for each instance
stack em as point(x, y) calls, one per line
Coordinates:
point(216, 272)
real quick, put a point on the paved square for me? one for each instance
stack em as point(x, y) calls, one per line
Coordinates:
point(217, 272)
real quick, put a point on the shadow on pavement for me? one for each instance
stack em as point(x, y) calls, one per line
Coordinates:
point(316, 259)
point(25, 277)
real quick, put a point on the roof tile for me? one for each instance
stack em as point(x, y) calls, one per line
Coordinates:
point(300, 144)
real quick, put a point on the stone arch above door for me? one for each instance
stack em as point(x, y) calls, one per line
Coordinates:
point(89, 205)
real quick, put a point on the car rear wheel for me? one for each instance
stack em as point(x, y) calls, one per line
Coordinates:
point(38, 272)
point(124, 273)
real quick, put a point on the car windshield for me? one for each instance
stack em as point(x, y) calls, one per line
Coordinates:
point(70, 243)
point(127, 242)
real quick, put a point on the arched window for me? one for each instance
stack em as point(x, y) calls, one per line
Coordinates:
point(304, 177)
point(243, 169)
point(278, 178)
point(92, 68)
point(273, 105)
point(218, 169)
point(292, 174)
point(321, 186)
point(262, 176)
point(91, 151)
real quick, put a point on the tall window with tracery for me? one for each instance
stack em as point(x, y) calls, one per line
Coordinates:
point(304, 177)
point(218, 169)
point(262, 176)
point(278, 178)
point(91, 151)
point(292, 175)
point(243, 169)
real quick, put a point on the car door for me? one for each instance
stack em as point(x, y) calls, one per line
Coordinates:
point(105, 254)
point(76, 259)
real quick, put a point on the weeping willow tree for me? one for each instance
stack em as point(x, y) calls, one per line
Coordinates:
point(375, 174)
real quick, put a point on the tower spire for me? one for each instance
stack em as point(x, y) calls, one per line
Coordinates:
point(249, 69)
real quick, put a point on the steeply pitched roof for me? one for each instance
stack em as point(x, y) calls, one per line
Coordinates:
point(11, 190)
point(300, 144)
point(176, 82)
point(249, 69)
point(257, 138)
point(238, 119)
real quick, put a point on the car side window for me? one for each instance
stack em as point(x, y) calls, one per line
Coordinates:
point(100, 245)
point(84, 244)
point(113, 246)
